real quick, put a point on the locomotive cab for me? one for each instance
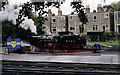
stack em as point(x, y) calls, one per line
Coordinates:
point(69, 41)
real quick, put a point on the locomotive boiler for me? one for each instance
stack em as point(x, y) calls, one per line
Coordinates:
point(60, 41)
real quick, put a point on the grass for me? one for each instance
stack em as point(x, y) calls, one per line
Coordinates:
point(107, 43)
point(102, 43)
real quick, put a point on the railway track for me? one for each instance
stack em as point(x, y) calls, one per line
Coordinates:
point(53, 68)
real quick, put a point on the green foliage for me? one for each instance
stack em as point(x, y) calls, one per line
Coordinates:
point(38, 21)
point(3, 5)
point(27, 10)
point(110, 42)
point(15, 6)
point(8, 29)
point(112, 7)
point(79, 8)
point(108, 8)
point(12, 31)
point(106, 33)
point(15, 31)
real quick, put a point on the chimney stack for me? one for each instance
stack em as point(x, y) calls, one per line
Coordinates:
point(59, 12)
point(49, 12)
point(87, 9)
point(99, 8)
point(99, 5)
point(72, 13)
point(94, 11)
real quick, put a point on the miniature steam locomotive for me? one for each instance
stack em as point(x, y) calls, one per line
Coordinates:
point(67, 41)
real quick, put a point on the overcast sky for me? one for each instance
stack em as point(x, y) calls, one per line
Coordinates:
point(66, 6)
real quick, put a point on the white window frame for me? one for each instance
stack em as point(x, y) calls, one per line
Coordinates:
point(70, 18)
point(117, 27)
point(54, 28)
point(94, 16)
point(119, 15)
point(52, 20)
point(107, 27)
point(72, 26)
point(95, 26)
point(81, 31)
point(106, 15)
point(62, 18)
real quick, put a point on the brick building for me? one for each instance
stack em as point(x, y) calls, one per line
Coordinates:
point(61, 23)
point(98, 23)
point(117, 22)
point(56, 23)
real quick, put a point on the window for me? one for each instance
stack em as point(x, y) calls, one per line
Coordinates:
point(81, 29)
point(53, 29)
point(62, 18)
point(95, 27)
point(94, 17)
point(103, 28)
point(71, 17)
point(106, 15)
point(63, 26)
point(72, 28)
point(119, 28)
point(106, 27)
point(53, 20)
point(118, 15)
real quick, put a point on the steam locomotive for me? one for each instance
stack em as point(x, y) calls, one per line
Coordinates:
point(60, 41)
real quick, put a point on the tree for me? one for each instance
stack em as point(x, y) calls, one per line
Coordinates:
point(112, 7)
point(8, 29)
point(79, 8)
point(27, 9)
point(2, 4)
point(11, 31)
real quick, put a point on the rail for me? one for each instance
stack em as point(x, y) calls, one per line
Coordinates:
point(59, 68)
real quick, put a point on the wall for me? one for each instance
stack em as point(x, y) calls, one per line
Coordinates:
point(116, 22)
